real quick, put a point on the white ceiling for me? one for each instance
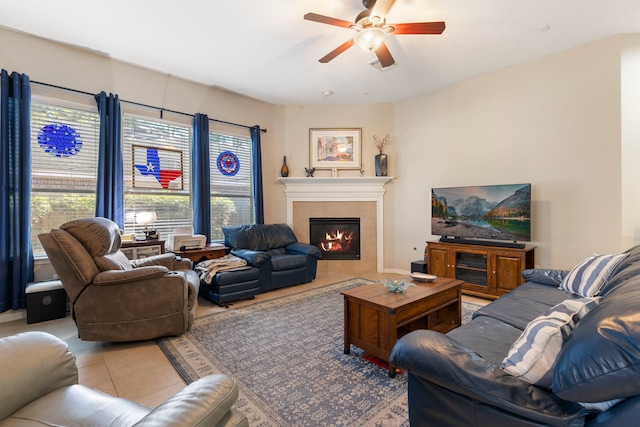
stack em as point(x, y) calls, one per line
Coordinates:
point(264, 49)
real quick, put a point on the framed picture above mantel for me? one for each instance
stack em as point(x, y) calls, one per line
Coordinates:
point(335, 148)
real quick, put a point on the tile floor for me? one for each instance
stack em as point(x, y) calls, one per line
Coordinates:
point(139, 371)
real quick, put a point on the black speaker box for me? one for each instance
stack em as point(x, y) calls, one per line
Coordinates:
point(46, 301)
point(419, 266)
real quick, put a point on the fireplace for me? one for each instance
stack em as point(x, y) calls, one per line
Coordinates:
point(347, 196)
point(337, 238)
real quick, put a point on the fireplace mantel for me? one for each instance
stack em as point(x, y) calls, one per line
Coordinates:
point(336, 188)
point(340, 189)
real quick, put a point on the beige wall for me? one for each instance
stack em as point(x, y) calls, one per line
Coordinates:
point(555, 123)
point(630, 139)
point(560, 123)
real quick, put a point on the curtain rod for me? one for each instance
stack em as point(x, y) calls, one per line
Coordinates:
point(145, 105)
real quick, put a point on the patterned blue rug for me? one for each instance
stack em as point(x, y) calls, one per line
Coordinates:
point(287, 356)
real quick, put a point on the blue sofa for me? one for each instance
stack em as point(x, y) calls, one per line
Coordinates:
point(459, 379)
point(275, 259)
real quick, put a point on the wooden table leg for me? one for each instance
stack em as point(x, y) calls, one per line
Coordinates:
point(347, 342)
point(392, 371)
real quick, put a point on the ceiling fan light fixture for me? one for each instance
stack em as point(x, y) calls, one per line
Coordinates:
point(376, 20)
point(369, 39)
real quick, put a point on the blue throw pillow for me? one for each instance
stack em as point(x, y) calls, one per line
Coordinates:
point(544, 276)
point(587, 278)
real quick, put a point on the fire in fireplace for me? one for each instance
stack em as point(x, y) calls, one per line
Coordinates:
point(337, 238)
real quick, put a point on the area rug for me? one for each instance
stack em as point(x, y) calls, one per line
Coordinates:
point(287, 356)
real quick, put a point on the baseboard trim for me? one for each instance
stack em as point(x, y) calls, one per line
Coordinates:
point(11, 315)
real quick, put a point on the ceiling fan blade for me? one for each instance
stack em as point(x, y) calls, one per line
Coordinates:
point(327, 20)
point(337, 51)
point(418, 28)
point(381, 8)
point(384, 56)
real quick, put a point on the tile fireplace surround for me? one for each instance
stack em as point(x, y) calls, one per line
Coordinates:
point(320, 197)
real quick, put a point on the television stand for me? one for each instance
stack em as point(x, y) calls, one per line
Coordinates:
point(496, 243)
point(488, 271)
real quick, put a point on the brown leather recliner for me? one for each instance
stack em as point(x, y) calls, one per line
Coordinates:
point(113, 298)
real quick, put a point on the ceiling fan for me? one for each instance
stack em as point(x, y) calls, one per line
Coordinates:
point(371, 30)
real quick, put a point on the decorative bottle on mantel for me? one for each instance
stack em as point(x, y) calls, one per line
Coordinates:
point(284, 170)
point(381, 164)
point(381, 158)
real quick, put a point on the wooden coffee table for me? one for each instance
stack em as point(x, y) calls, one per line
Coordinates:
point(375, 318)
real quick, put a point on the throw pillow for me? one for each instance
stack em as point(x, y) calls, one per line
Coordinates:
point(533, 355)
point(544, 276)
point(586, 278)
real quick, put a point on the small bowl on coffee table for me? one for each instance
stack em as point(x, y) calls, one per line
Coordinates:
point(422, 277)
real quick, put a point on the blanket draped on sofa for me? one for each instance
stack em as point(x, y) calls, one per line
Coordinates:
point(208, 269)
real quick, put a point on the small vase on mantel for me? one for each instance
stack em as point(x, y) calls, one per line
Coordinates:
point(284, 170)
point(381, 164)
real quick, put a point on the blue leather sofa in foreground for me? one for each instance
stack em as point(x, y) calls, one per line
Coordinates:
point(461, 378)
point(275, 259)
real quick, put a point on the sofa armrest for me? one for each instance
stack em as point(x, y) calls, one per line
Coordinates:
point(114, 277)
point(253, 258)
point(304, 249)
point(33, 364)
point(205, 402)
point(443, 361)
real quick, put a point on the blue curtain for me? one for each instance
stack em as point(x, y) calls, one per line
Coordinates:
point(200, 178)
point(257, 174)
point(16, 253)
point(109, 188)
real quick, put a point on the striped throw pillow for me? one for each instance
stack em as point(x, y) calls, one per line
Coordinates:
point(533, 355)
point(587, 278)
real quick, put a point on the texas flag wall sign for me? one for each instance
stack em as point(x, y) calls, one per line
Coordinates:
point(157, 168)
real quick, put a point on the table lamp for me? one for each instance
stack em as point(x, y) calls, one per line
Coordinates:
point(146, 218)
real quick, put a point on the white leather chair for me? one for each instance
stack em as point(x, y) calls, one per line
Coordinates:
point(39, 387)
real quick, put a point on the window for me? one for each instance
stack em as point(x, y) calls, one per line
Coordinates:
point(156, 156)
point(64, 151)
point(231, 182)
point(156, 174)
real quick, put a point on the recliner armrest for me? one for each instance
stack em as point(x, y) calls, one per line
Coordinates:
point(204, 402)
point(169, 260)
point(253, 258)
point(111, 277)
point(443, 361)
point(182, 264)
point(304, 249)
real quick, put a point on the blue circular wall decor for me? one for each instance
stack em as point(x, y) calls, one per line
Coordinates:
point(59, 140)
point(228, 163)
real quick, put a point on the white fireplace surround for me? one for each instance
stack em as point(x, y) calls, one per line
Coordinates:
point(341, 189)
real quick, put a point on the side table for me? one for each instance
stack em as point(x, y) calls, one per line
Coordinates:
point(142, 248)
point(198, 255)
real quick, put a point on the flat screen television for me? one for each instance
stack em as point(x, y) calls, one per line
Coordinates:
point(476, 214)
